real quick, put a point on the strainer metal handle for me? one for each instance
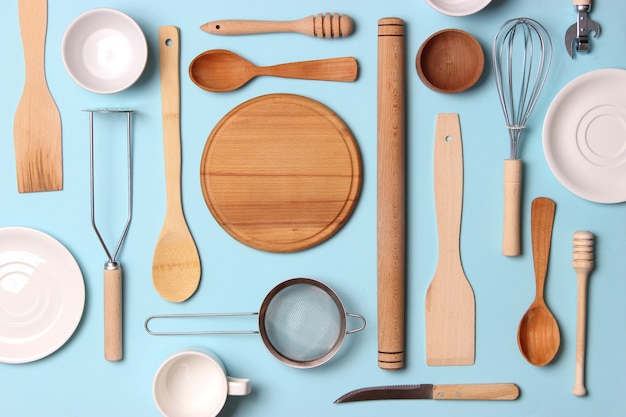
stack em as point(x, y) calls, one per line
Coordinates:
point(183, 315)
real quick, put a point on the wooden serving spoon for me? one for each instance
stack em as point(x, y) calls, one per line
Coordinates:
point(538, 334)
point(37, 123)
point(176, 263)
point(219, 70)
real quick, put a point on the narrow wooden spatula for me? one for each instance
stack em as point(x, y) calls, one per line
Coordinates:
point(37, 123)
point(450, 306)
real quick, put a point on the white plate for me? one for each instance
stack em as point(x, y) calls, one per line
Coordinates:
point(584, 136)
point(42, 295)
point(458, 7)
point(104, 51)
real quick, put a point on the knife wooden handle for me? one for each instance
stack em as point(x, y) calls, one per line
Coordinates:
point(391, 193)
point(475, 392)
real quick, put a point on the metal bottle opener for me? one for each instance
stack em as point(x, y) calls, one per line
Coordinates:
point(577, 35)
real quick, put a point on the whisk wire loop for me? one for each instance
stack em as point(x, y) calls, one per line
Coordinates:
point(520, 70)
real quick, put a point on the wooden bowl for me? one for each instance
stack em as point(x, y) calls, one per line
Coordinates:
point(450, 61)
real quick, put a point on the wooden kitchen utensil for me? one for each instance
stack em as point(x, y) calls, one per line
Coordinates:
point(281, 173)
point(538, 334)
point(176, 264)
point(391, 193)
point(37, 123)
point(450, 304)
point(219, 70)
point(583, 264)
point(324, 25)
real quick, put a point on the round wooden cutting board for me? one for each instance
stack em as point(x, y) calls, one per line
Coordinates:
point(281, 173)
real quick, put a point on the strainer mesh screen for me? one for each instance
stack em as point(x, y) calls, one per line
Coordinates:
point(303, 322)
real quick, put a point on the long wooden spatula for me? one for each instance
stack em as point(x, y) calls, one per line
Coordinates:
point(37, 123)
point(450, 305)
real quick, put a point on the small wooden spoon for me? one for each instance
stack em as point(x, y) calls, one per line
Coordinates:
point(538, 334)
point(219, 70)
point(176, 263)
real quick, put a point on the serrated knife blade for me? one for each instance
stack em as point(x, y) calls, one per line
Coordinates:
point(503, 391)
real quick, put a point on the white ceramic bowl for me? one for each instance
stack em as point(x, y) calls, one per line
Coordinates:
point(458, 7)
point(104, 51)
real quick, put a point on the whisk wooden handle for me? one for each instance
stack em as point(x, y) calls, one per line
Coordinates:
point(113, 312)
point(322, 26)
point(391, 193)
point(583, 263)
point(511, 240)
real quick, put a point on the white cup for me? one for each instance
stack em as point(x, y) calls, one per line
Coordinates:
point(194, 383)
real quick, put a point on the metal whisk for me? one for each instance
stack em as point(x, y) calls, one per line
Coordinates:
point(521, 52)
point(112, 268)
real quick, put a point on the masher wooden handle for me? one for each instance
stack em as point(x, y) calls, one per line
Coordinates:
point(581, 2)
point(511, 239)
point(113, 312)
point(583, 264)
point(391, 193)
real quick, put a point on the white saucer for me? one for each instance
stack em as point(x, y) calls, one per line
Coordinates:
point(584, 136)
point(42, 295)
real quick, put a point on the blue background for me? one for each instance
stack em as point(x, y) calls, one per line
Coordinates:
point(77, 381)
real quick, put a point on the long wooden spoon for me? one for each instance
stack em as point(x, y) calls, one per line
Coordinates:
point(37, 123)
point(450, 304)
point(219, 70)
point(538, 334)
point(176, 263)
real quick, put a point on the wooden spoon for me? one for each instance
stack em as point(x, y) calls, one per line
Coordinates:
point(176, 263)
point(37, 123)
point(219, 70)
point(538, 334)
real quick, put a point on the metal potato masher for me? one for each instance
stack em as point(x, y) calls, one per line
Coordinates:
point(112, 268)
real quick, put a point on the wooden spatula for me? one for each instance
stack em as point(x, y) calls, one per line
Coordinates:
point(37, 122)
point(450, 306)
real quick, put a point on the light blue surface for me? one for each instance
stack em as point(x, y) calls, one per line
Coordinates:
point(77, 381)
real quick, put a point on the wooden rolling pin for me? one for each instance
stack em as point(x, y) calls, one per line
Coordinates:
point(391, 193)
point(322, 26)
point(583, 264)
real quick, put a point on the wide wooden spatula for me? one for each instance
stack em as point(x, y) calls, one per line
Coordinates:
point(450, 305)
point(37, 123)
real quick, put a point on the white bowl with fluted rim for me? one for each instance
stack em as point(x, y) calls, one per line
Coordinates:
point(104, 51)
point(458, 7)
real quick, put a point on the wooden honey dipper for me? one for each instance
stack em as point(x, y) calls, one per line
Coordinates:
point(321, 25)
point(583, 263)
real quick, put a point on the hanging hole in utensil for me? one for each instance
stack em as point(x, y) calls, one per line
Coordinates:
point(448, 138)
point(217, 27)
point(168, 42)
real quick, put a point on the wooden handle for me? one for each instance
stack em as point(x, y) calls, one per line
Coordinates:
point(333, 69)
point(448, 181)
point(322, 26)
point(511, 239)
point(542, 220)
point(391, 193)
point(583, 264)
point(475, 392)
point(169, 53)
point(581, 2)
point(113, 312)
point(33, 16)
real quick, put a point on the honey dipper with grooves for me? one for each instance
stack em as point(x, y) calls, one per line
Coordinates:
point(322, 26)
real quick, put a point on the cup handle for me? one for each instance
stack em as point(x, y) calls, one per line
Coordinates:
point(238, 386)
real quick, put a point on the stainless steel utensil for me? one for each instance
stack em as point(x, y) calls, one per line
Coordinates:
point(302, 322)
point(112, 268)
point(521, 52)
point(577, 35)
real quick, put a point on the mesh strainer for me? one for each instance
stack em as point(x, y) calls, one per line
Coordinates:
point(302, 322)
